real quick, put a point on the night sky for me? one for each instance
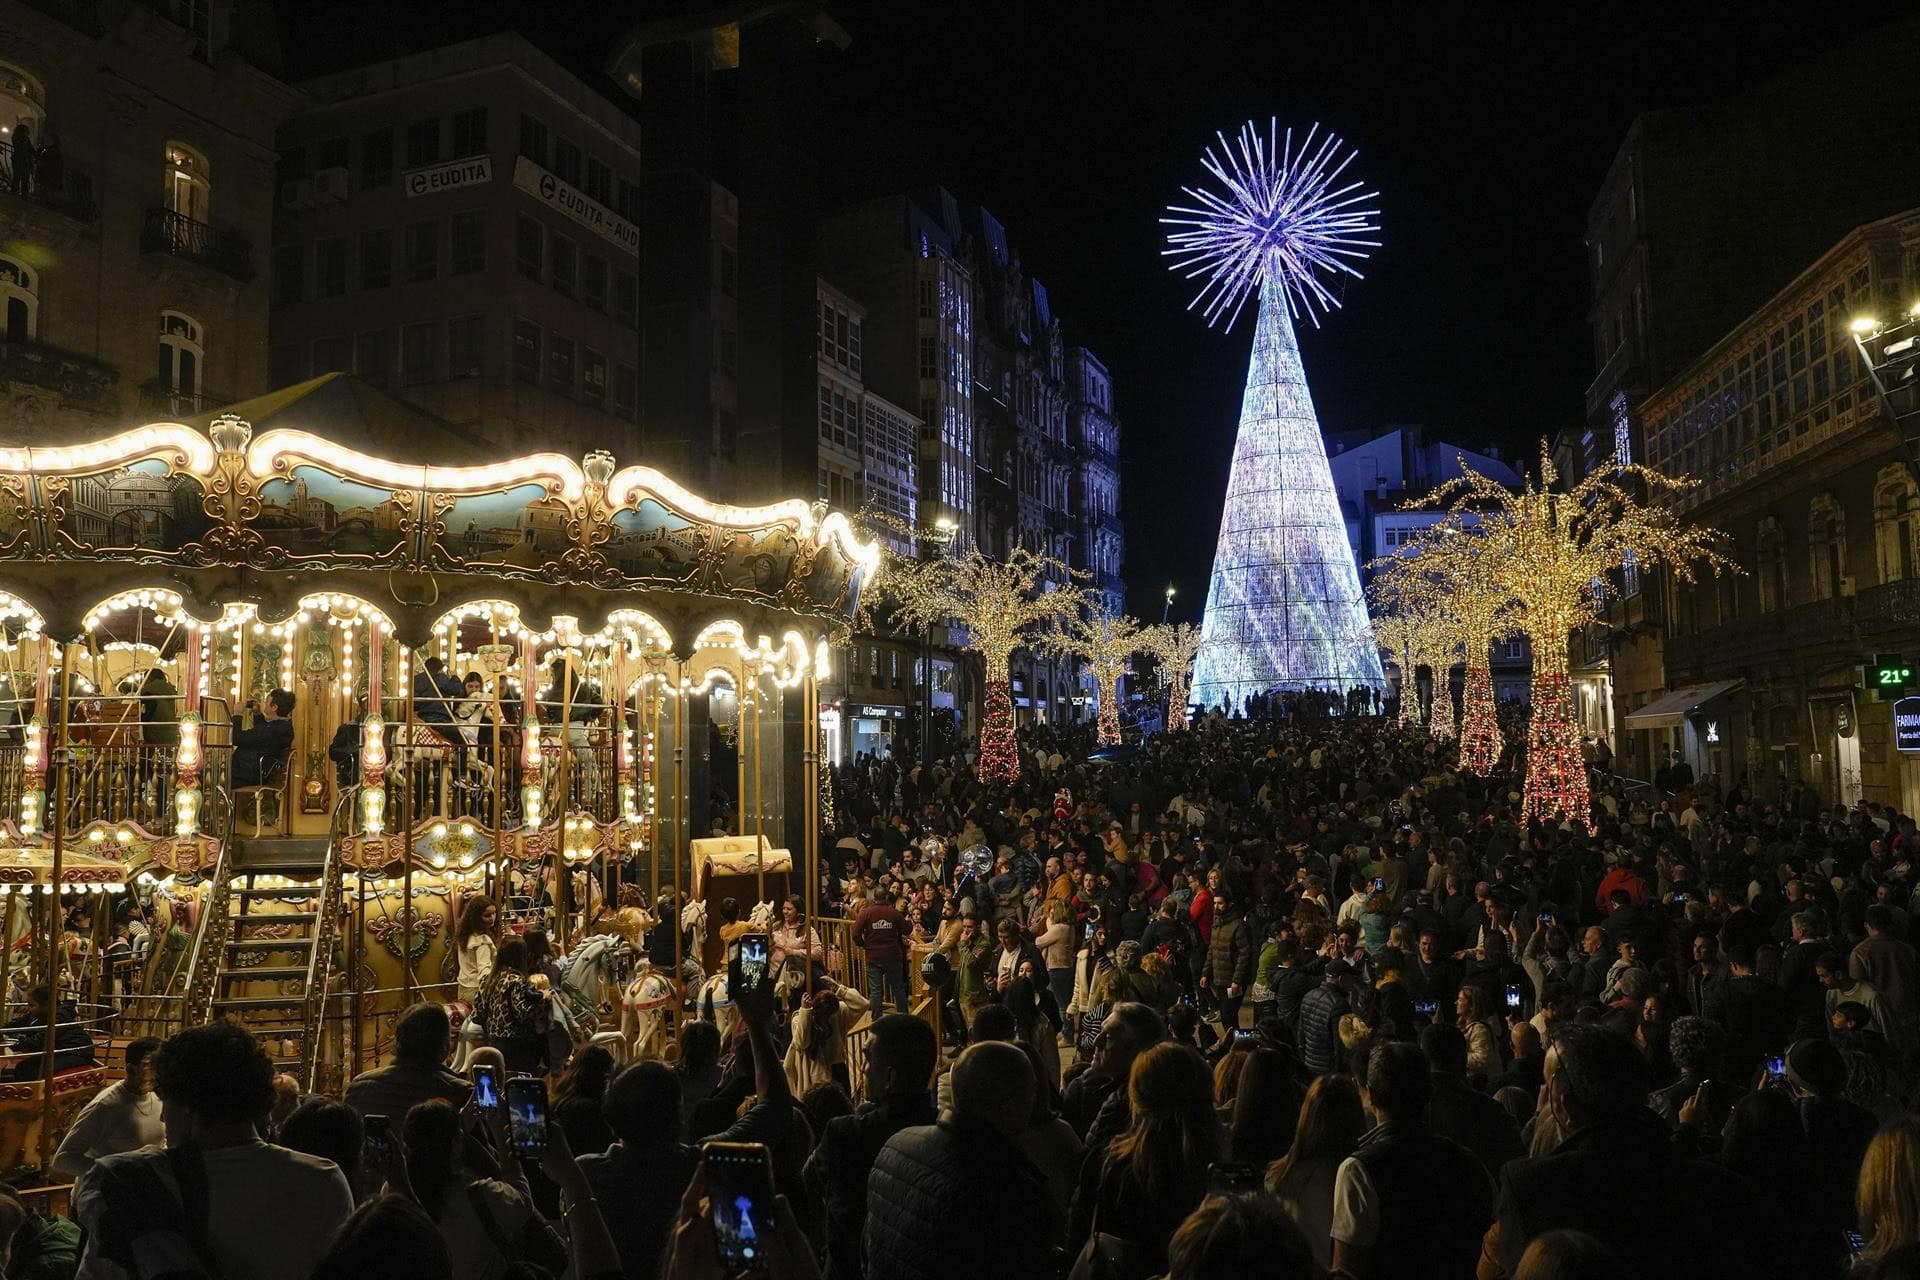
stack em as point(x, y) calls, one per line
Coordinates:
point(1486, 138)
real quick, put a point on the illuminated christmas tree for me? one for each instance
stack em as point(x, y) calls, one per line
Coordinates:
point(1284, 607)
point(1106, 642)
point(1176, 645)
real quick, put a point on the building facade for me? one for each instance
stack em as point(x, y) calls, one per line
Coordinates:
point(868, 451)
point(457, 226)
point(1798, 464)
point(136, 171)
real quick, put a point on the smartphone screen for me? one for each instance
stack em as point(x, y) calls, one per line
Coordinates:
point(740, 1203)
point(486, 1089)
point(1379, 884)
point(527, 1114)
point(1427, 1007)
point(1856, 1243)
point(1513, 997)
point(379, 1136)
point(747, 968)
point(1777, 1067)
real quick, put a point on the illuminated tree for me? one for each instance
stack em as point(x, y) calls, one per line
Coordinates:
point(1278, 221)
point(1397, 634)
point(1106, 642)
point(1001, 605)
point(1445, 568)
point(1545, 550)
point(1176, 645)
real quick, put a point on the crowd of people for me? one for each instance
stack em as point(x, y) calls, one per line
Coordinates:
point(1291, 995)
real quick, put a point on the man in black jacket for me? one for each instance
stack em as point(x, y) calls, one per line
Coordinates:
point(1617, 1178)
point(1407, 1202)
point(1755, 1013)
point(259, 750)
point(958, 1198)
point(1461, 1112)
point(901, 1057)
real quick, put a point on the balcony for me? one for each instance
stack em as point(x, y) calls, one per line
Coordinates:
point(222, 248)
point(158, 397)
point(1823, 626)
point(57, 185)
point(80, 381)
point(1891, 606)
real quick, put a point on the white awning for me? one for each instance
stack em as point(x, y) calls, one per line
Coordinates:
point(1673, 708)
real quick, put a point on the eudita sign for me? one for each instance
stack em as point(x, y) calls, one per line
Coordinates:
point(436, 178)
point(1906, 724)
point(591, 214)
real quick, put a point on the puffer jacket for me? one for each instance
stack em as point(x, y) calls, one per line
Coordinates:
point(956, 1199)
point(1229, 957)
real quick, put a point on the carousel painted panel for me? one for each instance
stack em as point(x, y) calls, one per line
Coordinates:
point(758, 562)
point(146, 510)
point(309, 515)
point(515, 532)
point(653, 543)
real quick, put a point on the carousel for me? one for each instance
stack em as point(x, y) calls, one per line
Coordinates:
point(274, 712)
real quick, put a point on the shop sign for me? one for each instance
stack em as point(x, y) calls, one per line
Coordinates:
point(573, 203)
point(1906, 724)
point(435, 178)
point(882, 713)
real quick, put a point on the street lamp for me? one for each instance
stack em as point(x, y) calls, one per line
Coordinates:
point(941, 539)
point(1167, 606)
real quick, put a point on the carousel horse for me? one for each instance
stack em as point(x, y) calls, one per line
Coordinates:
point(715, 1006)
point(643, 1014)
point(596, 967)
point(693, 917)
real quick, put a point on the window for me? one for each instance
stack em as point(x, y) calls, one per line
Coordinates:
point(593, 375)
point(289, 273)
point(416, 354)
point(1772, 566)
point(181, 353)
point(626, 384)
point(1896, 523)
point(376, 258)
point(370, 356)
point(469, 236)
point(839, 417)
point(729, 271)
point(332, 154)
point(188, 179)
point(376, 158)
point(626, 299)
point(599, 182)
point(19, 288)
point(929, 358)
point(560, 365)
point(1826, 547)
point(530, 241)
point(565, 265)
point(566, 162)
point(423, 143)
point(839, 337)
point(526, 351)
point(626, 200)
point(470, 132)
point(463, 347)
point(926, 310)
point(593, 283)
point(533, 139)
point(727, 353)
point(330, 267)
point(329, 356)
point(423, 251)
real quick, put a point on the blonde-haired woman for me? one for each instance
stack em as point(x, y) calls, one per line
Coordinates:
point(1478, 1025)
point(1888, 1193)
point(1055, 941)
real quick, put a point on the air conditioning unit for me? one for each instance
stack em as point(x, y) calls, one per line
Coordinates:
point(297, 194)
point(330, 185)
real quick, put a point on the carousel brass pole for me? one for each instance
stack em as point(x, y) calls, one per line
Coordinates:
point(406, 854)
point(810, 808)
point(562, 877)
point(742, 738)
point(650, 723)
point(759, 781)
point(679, 825)
point(359, 958)
point(496, 817)
point(58, 828)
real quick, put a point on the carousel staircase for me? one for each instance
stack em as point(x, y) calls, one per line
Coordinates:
point(278, 943)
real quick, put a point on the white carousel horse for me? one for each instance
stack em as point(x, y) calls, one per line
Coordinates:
point(585, 976)
point(643, 1013)
point(693, 917)
point(713, 999)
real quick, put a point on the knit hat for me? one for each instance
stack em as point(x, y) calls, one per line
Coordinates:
point(1817, 1067)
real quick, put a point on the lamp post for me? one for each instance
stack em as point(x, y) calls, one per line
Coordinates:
point(1165, 608)
point(940, 538)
